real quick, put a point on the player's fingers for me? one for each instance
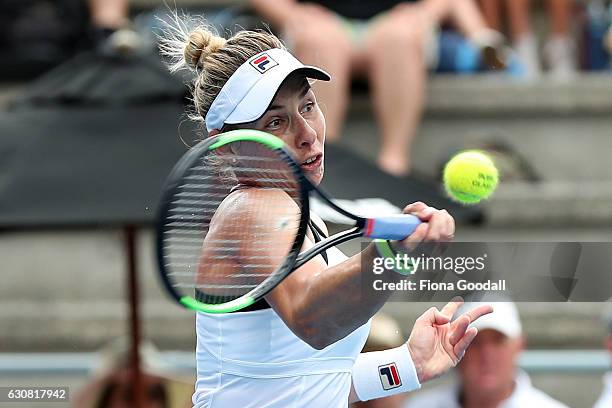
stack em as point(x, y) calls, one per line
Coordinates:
point(415, 207)
point(449, 230)
point(451, 307)
point(458, 329)
point(419, 233)
point(423, 211)
point(438, 225)
point(414, 239)
point(441, 318)
point(427, 318)
point(432, 316)
point(444, 223)
point(427, 213)
point(464, 342)
point(442, 226)
point(478, 312)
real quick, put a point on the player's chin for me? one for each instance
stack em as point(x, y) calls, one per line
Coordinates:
point(315, 174)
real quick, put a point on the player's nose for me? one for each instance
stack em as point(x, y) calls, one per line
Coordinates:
point(305, 134)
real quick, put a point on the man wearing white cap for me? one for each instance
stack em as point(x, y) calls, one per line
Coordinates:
point(488, 373)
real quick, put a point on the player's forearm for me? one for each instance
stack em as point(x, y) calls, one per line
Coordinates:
point(275, 12)
point(340, 299)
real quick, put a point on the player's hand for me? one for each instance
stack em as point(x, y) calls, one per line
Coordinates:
point(436, 344)
point(438, 227)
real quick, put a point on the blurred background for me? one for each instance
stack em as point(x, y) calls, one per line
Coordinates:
point(91, 123)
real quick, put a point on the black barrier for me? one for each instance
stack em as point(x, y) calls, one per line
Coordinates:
point(79, 166)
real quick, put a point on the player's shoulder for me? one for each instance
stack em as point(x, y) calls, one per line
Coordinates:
point(442, 396)
point(259, 195)
point(249, 202)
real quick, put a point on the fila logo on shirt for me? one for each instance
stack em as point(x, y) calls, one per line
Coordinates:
point(263, 62)
point(389, 376)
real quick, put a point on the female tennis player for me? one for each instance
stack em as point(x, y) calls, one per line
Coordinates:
point(300, 346)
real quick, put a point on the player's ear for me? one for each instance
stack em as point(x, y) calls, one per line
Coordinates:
point(223, 149)
point(227, 149)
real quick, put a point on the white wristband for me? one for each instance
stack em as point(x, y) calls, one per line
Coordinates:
point(383, 373)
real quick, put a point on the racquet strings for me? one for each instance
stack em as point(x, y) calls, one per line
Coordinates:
point(216, 244)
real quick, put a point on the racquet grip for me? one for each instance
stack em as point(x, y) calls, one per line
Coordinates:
point(392, 227)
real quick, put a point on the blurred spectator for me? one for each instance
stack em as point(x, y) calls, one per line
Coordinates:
point(111, 383)
point(488, 374)
point(385, 334)
point(36, 35)
point(597, 45)
point(605, 399)
point(390, 42)
point(110, 26)
point(109, 14)
point(112, 64)
point(559, 50)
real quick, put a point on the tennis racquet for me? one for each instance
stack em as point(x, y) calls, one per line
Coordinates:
point(234, 217)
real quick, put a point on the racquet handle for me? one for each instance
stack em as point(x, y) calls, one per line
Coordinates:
point(392, 227)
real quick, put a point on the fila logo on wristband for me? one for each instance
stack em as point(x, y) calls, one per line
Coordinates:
point(263, 62)
point(389, 376)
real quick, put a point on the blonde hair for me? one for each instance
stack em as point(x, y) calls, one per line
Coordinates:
point(191, 43)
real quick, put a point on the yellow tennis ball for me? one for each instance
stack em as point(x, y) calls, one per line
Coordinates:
point(470, 176)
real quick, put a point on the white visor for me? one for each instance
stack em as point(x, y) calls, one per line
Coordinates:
point(250, 90)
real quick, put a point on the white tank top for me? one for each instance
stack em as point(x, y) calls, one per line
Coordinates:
point(252, 359)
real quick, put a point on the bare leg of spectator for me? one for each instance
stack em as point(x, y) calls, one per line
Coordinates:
point(468, 18)
point(471, 23)
point(523, 38)
point(330, 48)
point(398, 84)
point(109, 13)
point(464, 13)
point(491, 10)
point(560, 14)
point(519, 16)
point(559, 50)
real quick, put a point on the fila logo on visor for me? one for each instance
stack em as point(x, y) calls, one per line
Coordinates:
point(263, 62)
point(389, 376)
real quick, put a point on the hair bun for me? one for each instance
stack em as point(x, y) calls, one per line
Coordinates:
point(201, 44)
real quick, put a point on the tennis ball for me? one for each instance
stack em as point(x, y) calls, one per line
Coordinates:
point(470, 176)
